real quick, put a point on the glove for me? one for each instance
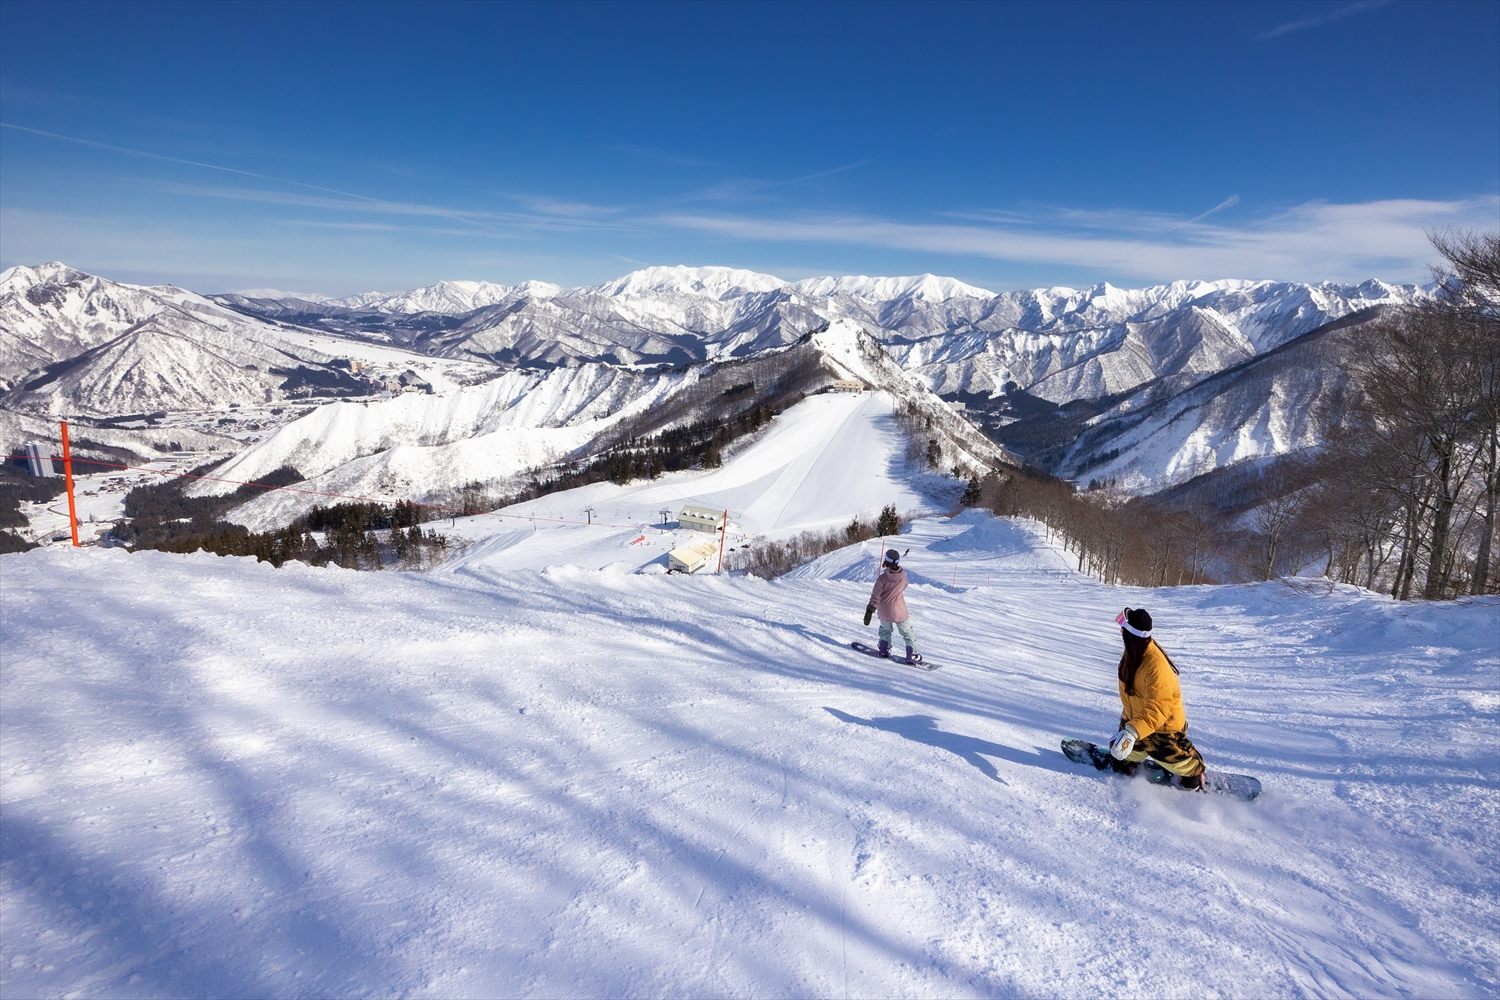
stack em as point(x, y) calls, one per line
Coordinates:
point(1122, 744)
point(869, 612)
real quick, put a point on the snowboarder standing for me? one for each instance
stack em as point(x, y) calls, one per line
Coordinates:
point(1153, 721)
point(887, 601)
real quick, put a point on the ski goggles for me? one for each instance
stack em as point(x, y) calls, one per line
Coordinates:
point(1120, 621)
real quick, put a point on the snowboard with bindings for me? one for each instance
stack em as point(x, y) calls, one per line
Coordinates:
point(925, 664)
point(1241, 786)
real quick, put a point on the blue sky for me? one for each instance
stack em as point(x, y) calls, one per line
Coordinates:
point(343, 147)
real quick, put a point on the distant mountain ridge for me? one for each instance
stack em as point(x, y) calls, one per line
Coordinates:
point(449, 297)
point(425, 446)
point(1056, 343)
point(75, 343)
point(1053, 347)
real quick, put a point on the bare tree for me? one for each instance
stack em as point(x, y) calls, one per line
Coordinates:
point(1421, 381)
point(1274, 519)
point(1198, 545)
point(1470, 281)
point(1491, 520)
point(1470, 275)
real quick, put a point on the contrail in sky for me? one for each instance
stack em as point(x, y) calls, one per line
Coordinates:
point(127, 150)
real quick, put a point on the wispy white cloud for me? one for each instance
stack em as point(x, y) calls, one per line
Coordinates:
point(264, 196)
point(546, 214)
point(665, 157)
point(1317, 240)
point(194, 252)
point(542, 205)
point(829, 172)
point(1229, 202)
point(385, 227)
point(350, 227)
point(743, 189)
point(10, 93)
point(1348, 10)
point(147, 154)
point(759, 188)
point(507, 225)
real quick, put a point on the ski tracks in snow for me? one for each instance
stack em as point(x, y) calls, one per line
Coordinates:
point(587, 783)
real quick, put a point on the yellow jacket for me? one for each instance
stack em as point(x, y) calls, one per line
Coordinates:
point(1156, 705)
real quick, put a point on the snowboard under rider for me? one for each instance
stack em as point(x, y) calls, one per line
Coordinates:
point(1153, 721)
point(887, 602)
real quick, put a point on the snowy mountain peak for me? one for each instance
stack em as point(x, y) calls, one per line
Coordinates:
point(449, 297)
point(277, 293)
point(536, 290)
point(842, 337)
point(859, 355)
point(1377, 290)
point(22, 276)
point(856, 354)
point(715, 282)
point(922, 287)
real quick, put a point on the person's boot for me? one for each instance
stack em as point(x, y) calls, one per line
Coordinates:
point(1124, 767)
point(912, 656)
point(885, 647)
point(1193, 784)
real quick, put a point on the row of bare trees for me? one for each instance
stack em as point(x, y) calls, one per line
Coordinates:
point(1407, 493)
point(1140, 543)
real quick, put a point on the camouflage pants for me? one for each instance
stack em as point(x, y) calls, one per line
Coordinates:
point(1173, 751)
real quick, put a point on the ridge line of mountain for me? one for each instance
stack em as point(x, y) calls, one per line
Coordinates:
point(1057, 345)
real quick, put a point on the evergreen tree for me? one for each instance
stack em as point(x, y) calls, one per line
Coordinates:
point(972, 493)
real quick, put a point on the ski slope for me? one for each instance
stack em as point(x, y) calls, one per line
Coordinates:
point(828, 459)
point(222, 779)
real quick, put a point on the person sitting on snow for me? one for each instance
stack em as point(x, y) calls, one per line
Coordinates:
point(886, 600)
point(1153, 721)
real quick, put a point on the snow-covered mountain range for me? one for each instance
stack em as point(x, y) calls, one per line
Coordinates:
point(1057, 345)
point(75, 343)
point(718, 306)
point(452, 297)
point(426, 447)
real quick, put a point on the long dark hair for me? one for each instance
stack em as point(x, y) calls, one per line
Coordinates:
point(1130, 660)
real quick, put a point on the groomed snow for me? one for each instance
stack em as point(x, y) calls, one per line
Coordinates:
point(832, 457)
point(223, 779)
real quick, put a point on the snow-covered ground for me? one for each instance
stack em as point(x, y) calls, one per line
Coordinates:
point(829, 459)
point(222, 779)
point(389, 362)
point(98, 499)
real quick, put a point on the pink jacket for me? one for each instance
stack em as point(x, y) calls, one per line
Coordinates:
point(890, 606)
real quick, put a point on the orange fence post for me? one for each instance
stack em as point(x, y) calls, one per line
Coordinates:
point(68, 473)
